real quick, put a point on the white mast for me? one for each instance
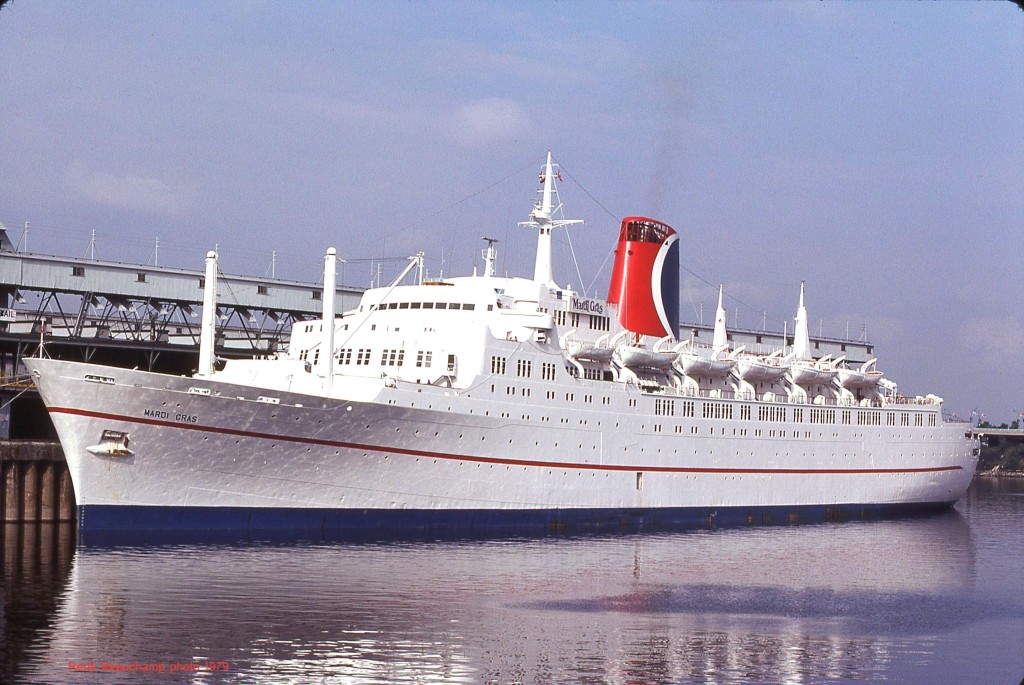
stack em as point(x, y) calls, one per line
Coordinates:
point(327, 343)
point(490, 254)
point(540, 218)
point(721, 339)
point(207, 333)
point(801, 339)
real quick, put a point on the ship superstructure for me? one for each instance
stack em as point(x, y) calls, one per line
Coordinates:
point(487, 402)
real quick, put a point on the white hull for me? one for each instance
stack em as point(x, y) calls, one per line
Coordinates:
point(427, 448)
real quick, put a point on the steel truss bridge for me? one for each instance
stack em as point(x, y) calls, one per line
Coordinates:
point(134, 315)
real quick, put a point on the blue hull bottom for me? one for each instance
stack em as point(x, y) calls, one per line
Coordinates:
point(106, 524)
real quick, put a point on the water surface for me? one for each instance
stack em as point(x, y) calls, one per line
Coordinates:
point(932, 600)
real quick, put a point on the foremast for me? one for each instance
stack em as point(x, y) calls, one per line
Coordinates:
point(542, 219)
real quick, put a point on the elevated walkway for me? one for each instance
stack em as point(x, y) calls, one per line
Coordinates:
point(132, 315)
point(106, 302)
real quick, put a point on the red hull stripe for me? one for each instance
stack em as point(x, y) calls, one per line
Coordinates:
point(490, 460)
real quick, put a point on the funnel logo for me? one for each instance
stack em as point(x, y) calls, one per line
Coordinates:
point(645, 278)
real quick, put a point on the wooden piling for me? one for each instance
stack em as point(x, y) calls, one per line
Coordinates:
point(65, 496)
point(30, 492)
point(35, 485)
point(12, 490)
point(47, 492)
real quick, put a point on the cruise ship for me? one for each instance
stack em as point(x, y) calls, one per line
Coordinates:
point(486, 404)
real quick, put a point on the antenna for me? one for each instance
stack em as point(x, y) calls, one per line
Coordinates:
point(24, 239)
point(273, 264)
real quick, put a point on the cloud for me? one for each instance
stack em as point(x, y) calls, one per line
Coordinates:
point(135, 193)
point(491, 120)
point(992, 338)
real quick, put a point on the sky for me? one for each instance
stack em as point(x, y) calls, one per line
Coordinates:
point(873, 151)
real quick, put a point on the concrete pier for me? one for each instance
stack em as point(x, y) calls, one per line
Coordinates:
point(36, 485)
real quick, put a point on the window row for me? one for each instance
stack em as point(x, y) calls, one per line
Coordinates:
point(465, 306)
point(572, 319)
point(524, 368)
point(395, 357)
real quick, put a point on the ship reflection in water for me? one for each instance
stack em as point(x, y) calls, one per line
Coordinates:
point(908, 600)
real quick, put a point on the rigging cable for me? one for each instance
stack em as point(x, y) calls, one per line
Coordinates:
point(606, 211)
point(444, 209)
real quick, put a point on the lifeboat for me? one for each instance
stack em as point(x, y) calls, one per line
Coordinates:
point(639, 357)
point(811, 371)
point(634, 355)
point(702, 363)
point(587, 350)
point(760, 368)
point(859, 379)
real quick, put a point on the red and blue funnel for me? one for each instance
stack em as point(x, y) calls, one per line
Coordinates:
point(645, 279)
